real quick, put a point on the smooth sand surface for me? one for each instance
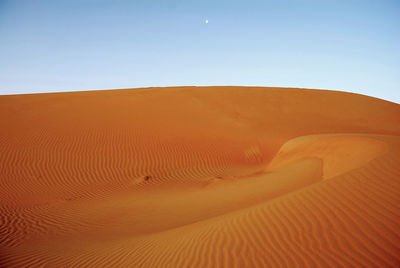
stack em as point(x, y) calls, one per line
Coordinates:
point(199, 177)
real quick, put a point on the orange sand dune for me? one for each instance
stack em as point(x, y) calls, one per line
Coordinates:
point(199, 177)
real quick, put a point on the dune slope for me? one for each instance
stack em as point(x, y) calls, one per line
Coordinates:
point(201, 177)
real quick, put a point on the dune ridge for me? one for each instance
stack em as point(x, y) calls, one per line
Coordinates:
point(201, 177)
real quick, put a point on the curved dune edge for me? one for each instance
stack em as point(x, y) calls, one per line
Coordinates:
point(339, 152)
point(203, 177)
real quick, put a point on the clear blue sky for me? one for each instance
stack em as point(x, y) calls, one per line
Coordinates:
point(81, 45)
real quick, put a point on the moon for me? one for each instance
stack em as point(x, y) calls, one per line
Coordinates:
point(206, 21)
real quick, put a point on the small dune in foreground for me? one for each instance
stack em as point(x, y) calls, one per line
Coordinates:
point(199, 177)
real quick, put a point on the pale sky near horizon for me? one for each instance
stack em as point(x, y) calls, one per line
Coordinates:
point(349, 45)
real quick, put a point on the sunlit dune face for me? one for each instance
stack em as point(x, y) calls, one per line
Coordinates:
point(339, 153)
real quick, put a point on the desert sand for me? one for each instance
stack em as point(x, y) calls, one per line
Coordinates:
point(199, 177)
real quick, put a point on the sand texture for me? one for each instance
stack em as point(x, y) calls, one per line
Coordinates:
point(199, 177)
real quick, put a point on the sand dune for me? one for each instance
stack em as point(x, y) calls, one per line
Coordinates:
point(199, 177)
